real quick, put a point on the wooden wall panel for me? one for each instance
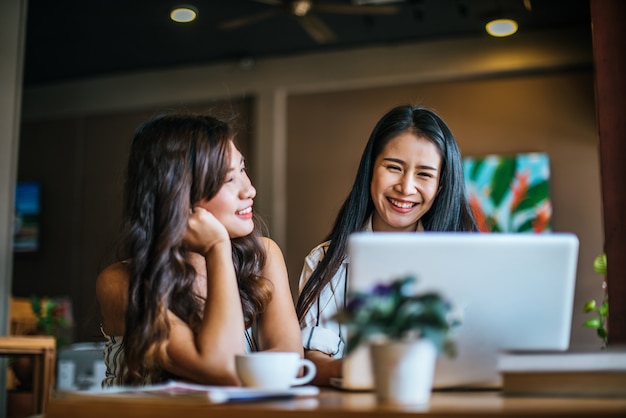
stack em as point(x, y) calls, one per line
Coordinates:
point(609, 44)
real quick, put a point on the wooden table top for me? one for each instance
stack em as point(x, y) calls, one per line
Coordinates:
point(33, 344)
point(331, 404)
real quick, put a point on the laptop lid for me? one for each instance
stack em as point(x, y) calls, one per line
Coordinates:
point(510, 291)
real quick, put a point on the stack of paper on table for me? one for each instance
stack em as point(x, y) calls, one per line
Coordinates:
point(600, 373)
point(202, 393)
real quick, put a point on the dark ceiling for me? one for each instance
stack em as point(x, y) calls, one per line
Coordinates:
point(72, 39)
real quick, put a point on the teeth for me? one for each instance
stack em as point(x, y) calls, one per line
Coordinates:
point(402, 204)
point(245, 211)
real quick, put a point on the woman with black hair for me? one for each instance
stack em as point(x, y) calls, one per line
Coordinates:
point(410, 178)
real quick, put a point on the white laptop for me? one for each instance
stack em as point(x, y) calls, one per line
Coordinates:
point(510, 291)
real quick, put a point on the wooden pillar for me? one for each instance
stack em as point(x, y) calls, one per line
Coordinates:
point(609, 57)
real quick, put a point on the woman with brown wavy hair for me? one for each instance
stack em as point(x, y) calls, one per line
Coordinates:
point(198, 281)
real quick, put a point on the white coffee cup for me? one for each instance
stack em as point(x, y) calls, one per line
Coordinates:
point(273, 370)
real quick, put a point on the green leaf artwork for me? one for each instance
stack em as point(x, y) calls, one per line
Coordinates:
point(510, 193)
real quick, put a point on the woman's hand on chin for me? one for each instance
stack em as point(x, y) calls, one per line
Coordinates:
point(204, 231)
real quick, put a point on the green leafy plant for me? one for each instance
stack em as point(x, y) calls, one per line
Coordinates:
point(601, 310)
point(50, 317)
point(393, 312)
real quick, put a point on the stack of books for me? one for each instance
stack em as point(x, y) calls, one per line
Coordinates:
point(600, 373)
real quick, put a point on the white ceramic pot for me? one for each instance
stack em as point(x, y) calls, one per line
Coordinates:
point(403, 371)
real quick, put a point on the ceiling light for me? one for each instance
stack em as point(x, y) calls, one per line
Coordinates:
point(501, 27)
point(183, 14)
point(301, 7)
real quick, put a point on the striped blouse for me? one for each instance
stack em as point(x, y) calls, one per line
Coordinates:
point(114, 355)
point(319, 331)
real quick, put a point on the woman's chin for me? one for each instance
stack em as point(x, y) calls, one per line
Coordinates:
point(241, 231)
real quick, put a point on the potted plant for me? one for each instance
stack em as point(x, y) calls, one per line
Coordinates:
point(52, 317)
point(405, 332)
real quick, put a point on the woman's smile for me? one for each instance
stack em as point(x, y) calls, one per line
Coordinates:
point(402, 205)
point(245, 213)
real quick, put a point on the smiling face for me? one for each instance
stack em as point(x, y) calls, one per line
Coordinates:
point(405, 181)
point(232, 205)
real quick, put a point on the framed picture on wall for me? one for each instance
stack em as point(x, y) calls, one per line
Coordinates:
point(26, 223)
point(510, 193)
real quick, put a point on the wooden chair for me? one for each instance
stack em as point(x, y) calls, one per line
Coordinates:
point(43, 351)
point(22, 318)
point(22, 341)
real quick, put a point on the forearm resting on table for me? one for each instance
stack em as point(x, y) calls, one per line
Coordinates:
point(327, 367)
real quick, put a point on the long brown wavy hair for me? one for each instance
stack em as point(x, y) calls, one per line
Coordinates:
point(175, 160)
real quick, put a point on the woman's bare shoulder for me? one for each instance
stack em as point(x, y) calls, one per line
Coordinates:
point(112, 295)
point(274, 269)
point(271, 247)
point(112, 279)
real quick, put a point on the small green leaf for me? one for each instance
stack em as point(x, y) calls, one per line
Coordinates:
point(592, 323)
point(599, 264)
point(590, 306)
point(602, 333)
point(603, 310)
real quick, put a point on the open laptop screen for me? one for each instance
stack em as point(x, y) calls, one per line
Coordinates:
point(511, 292)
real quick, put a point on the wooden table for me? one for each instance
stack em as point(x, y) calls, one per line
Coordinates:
point(333, 404)
point(43, 351)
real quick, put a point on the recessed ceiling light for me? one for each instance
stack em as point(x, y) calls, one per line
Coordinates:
point(501, 27)
point(183, 14)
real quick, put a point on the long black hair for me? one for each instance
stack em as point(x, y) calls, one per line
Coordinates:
point(450, 210)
